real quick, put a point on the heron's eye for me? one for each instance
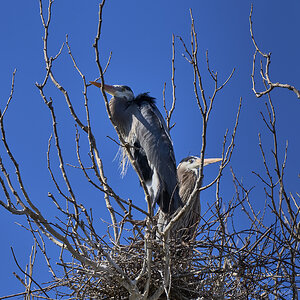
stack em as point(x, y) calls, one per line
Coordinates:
point(191, 160)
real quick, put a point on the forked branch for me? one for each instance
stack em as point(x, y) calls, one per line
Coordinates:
point(265, 73)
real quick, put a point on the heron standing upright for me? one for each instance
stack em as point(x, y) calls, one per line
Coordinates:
point(143, 128)
point(188, 173)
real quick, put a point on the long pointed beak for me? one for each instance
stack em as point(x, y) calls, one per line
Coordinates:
point(207, 161)
point(110, 89)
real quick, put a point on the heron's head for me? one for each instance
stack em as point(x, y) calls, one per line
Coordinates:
point(188, 164)
point(118, 91)
point(193, 163)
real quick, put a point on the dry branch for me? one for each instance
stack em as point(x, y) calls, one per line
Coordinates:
point(265, 74)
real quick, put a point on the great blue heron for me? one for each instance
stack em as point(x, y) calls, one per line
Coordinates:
point(143, 128)
point(187, 173)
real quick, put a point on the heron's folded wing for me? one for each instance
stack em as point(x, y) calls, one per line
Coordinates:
point(150, 130)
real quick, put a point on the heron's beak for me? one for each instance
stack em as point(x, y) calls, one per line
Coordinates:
point(110, 89)
point(206, 162)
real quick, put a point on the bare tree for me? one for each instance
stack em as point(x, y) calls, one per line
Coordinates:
point(223, 261)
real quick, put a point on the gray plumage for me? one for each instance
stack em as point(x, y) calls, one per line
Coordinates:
point(143, 128)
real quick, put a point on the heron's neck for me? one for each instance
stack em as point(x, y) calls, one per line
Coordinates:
point(187, 181)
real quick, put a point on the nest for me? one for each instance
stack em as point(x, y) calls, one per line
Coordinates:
point(203, 268)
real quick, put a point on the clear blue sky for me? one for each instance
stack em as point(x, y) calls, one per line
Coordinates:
point(139, 34)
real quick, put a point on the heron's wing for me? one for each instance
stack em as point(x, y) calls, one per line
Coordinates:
point(141, 160)
point(149, 129)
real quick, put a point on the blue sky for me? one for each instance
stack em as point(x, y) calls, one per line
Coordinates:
point(139, 34)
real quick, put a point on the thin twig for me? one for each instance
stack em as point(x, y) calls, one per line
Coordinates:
point(27, 273)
